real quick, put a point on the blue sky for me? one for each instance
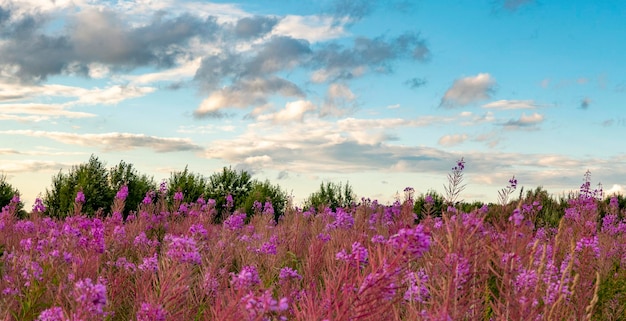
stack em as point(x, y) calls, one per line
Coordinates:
point(383, 94)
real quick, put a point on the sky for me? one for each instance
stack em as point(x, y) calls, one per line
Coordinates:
point(381, 94)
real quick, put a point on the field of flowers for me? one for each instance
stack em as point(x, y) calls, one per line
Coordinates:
point(171, 261)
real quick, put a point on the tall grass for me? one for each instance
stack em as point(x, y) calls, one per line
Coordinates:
point(364, 262)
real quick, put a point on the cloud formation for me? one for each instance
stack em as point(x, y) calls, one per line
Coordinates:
point(94, 38)
point(113, 141)
point(468, 90)
point(452, 140)
point(529, 122)
point(511, 104)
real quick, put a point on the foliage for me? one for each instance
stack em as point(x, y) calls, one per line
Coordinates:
point(228, 182)
point(192, 185)
point(428, 204)
point(138, 184)
point(355, 263)
point(332, 195)
point(98, 184)
point(7, 192)
point(91, 177)
point(262, 192)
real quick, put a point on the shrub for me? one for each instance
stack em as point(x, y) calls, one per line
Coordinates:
point(333, 195)
point(138, 184)
point(99, 186)
point(192, 185)
point(7, 191)
point(91, 177)
point(263, 192)
point(237, 184)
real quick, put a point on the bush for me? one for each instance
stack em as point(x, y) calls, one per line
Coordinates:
point(99, 185)
point(7, 191)
point(332, 195)
point(192, 185)
point(138, 184)
point(430, 203)
point(91, 177)
point(266, 192)
point(228, 181)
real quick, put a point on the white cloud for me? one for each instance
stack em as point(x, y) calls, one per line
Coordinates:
point(338, 102)
point(451, 140)
point(29, 166)
point(293, 112)
point(465, 91)
point(111, 95)
point(184, 71)
point(38, 112)
point(311, 28)
point(616, 189)
point(525, 122)
point(511, 104)
point(247, 93)
point(113, 141)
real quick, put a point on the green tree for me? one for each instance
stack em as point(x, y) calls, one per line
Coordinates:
point(7, 191)
point(433, 207)
point(193, 185)
point(264, 191)
point(229, 181)
point(138, 184)
point(99, 184)
point(92, 177)
point(331, 194)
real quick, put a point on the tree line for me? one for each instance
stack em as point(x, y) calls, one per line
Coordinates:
point(100, 184)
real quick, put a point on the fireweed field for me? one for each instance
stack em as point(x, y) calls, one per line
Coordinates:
point(170, 261)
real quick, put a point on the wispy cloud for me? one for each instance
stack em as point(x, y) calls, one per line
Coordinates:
point(511, 104)
point(113, 141)
point(452, 140)
point(36, 112)
point(30, 166)
point(293, 112)
point(468, 90)
point(529, 122)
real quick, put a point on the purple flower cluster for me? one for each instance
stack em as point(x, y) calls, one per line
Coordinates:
point(122, 194)
point(91, 296)
point(148, 198)
point(38, 206)
point(588, 242)
point(260, 306)
point(52, 314)
point(417, 290)
point(178, 196)
point(412, 242)
point(268, 209)
point(270, 246)
point(288, 273)
point(229, 202)
point(151, 312)
point(343, 220)
point(80, 197)
point(461, 268)
point(149, 264)
point(235, 222)
point(358, 256)
point(182, 249)
point(246, 279)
